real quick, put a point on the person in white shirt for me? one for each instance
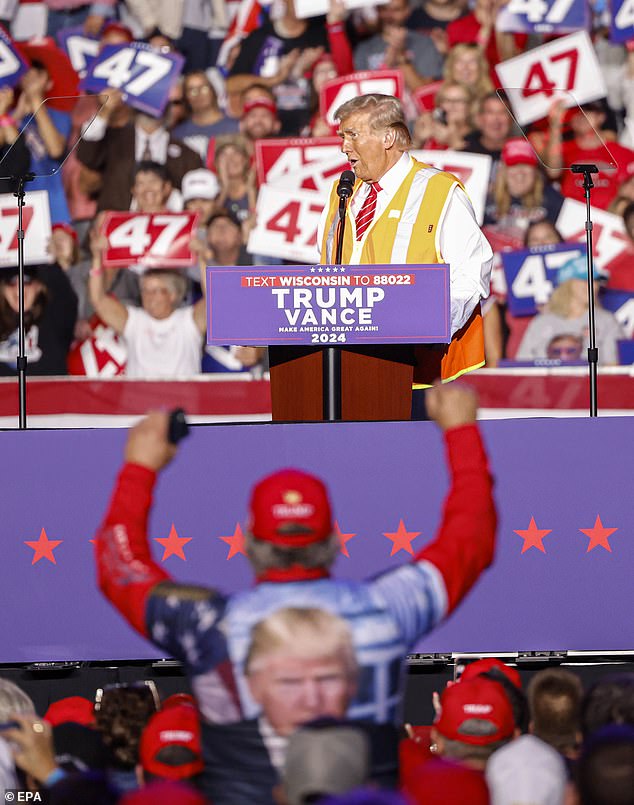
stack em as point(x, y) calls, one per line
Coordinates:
point(163, 339)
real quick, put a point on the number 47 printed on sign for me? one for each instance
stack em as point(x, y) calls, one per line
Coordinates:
point(566, 68)
point(622, 20)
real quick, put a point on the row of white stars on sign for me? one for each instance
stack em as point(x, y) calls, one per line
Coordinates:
point(327, 269)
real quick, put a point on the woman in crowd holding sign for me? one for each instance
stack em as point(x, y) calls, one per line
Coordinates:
point(162, 338)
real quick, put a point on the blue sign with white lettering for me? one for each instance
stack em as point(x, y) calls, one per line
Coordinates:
point(79, 47)
point(622, 22)
point(144, 75)
point(12, 65)
point(544, 16)
point(531, 275)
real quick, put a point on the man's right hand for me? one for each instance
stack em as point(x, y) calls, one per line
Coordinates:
point(148, 444)
point(451, 405)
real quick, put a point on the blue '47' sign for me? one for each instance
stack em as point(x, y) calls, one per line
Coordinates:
point(544, 16)
point(622, 22)
point(531, 275)
point(12, 66)
point(144, 75)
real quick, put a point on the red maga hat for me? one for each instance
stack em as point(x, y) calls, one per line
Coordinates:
point(64, 80)
point(475, 712)
point(486, 664)
point(175, 726)
point(518, 151)
point(290, 508)
point(259, 103)
point(72, 709)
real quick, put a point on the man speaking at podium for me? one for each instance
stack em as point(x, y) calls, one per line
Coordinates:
point(403, 211)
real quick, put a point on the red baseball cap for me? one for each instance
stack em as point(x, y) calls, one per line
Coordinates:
point(475, 712)
point(290, 508)
point(64, 80)
point(486, 664)
point(518, 151)
point(73, 709)
point(259, 103)
point(65, 228)
point(175, 726)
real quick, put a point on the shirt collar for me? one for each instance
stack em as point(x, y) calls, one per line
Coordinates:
point(392, 180)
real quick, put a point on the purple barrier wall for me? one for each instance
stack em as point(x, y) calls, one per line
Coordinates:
point(575, 594)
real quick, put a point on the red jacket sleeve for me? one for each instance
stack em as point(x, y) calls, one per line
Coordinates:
point(339, 47)
point(465, 543)
point(125, 568)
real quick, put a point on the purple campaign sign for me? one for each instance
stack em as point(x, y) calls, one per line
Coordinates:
point(562, 576)
point(544, 16)
point(78, 46)
point(12, 65)
point(622, 20)
point(143, 74)
point(328, 305)
point(531, 275)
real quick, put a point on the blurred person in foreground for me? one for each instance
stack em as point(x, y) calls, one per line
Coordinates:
point(170, 746)
point(605, 773)
point(291, 544)
point(554, 696)
point(474, 720)
point(527, 770)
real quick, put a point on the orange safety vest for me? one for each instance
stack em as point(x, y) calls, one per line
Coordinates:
point(407, 231)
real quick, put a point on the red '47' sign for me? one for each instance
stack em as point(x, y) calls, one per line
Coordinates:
point(565, 68)
point(306, 163)
point(342, 89)
point(153, 240)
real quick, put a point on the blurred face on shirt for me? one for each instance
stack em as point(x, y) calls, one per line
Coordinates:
point(292, 690)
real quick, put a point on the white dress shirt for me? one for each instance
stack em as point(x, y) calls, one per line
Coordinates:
point(462, 243)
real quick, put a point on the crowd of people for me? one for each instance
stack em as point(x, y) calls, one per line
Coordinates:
point(293, 689)
point(198, 155)
point(494, 739)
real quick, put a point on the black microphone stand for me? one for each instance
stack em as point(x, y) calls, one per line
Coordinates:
point(22, 359)
point(593, 352)
point(331, 362)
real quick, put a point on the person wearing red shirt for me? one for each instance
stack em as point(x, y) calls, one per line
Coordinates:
point(614, 161)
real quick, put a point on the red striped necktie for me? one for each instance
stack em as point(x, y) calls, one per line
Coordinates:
point(365, 216)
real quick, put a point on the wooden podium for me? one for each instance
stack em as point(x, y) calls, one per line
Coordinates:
point(376, 383)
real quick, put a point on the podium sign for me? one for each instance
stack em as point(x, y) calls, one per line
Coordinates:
point(328, 305)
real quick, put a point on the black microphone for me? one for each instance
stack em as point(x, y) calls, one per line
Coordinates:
point(346, 183)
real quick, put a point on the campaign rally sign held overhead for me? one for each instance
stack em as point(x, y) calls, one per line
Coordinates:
point(143, 74)
point(12, 65)
point(543, 16)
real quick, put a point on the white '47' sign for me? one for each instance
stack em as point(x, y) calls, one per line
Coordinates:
point(566, 68)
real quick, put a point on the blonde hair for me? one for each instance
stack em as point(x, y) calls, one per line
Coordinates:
point(561, 300)
point(534, 198)
point(306, 632)
point(386, 113)
point(484, 85)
